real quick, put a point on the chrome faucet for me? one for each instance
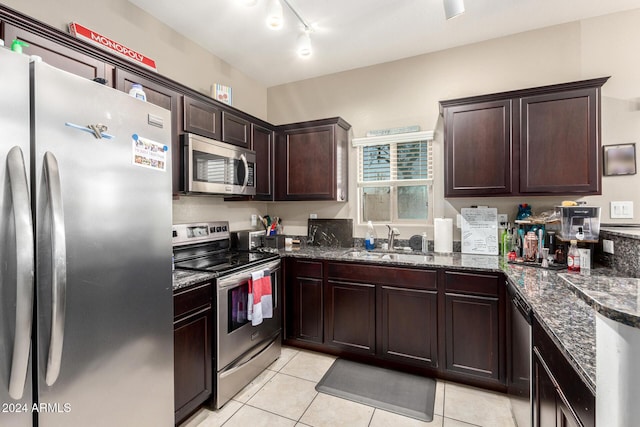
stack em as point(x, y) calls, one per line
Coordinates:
point(393, 232)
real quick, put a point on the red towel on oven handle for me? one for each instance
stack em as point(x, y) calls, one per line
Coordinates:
point(260, 300)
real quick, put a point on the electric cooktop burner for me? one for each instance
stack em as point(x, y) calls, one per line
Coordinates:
point(206, 247)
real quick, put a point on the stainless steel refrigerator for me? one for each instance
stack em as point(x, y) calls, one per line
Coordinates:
point(85, 252)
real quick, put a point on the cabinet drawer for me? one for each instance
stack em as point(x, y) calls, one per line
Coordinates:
point(472, 283)
point(191, 299)
point(405, 277)
point(308, 269)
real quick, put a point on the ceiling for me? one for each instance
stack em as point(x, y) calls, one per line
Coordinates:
point(350, 34)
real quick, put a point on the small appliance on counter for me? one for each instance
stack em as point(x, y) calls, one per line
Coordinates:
point(248, 240)
point(579, 222)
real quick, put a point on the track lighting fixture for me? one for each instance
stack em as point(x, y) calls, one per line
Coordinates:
point(304, 44)
point(453, 8)
point(275, 18)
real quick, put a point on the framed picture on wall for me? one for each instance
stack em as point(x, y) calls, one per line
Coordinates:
point(619, 159)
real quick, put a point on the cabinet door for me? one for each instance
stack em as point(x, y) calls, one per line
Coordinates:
point(472, 336)
point(478, 149)
point(60, 56)
point(192, 362)
point(544, 396)
point(408, 326)
point(236, 130)
point(306, 164)
point(308, 309)
point(165, 98)
point(263, 144)
point(350, 316)
point(201, 118)
point(560, 144)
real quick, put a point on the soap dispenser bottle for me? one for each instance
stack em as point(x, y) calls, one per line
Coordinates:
point(369, 241)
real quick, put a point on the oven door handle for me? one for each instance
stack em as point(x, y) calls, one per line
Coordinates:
point(241, 277)
point(238, 365)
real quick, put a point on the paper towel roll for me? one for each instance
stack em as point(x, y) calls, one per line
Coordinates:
point(443, 235)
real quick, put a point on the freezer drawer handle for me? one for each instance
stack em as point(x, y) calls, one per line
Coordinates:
point(24, 271)
point(98, 131)
point(58, 266)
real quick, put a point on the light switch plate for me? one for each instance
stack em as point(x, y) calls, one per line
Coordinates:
point(313, 216)
point(621, 210)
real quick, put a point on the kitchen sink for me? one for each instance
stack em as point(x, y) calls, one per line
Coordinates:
point(389, 256)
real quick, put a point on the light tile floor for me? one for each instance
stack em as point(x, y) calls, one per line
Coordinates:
point(284, 395)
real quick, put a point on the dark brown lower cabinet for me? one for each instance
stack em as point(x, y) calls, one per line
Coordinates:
point(471, 335)
point(193, 362)
point(475, 327)
point(560, 397)
point(408, 325)
point(350, 316)
point(304, 305)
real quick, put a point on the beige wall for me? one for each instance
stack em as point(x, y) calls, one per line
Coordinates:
point(407, 92)
point(177, 57)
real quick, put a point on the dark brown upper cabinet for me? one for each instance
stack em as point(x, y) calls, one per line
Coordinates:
point(538, 141)
point(263, 143)
point(478, 149)
point(201, 118)
point(59, 56)
point(236, 130)
point(312, 159)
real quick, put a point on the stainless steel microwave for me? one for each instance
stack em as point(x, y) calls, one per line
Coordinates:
point(214, 167)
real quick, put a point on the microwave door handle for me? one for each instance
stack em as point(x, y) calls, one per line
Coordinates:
point(246, 172)
point(19, 188)
point(58, 267)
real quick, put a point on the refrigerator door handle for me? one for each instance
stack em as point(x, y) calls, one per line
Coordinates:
point(58, 266)
point(19, 188)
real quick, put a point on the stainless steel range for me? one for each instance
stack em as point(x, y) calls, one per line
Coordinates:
point(242, 350)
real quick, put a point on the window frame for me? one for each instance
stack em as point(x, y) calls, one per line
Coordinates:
point(393, 183)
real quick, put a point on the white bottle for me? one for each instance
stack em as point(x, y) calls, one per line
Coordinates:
point(425, 243)
point(137, 92)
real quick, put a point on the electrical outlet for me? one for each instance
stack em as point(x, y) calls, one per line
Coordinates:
point(459, 221)
point(313, 216)
point(503, 219)
point(622, 210)
point(607, 246)
point(254, 220)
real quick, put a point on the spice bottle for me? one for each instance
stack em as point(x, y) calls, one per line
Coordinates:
point(573, 257)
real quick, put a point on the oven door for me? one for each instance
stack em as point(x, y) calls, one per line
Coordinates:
point(236, 335)
point(215, 167)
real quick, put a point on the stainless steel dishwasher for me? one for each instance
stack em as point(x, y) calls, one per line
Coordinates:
point(519, 362)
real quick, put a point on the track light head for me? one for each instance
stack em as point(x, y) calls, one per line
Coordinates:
point(275, 18)
point(453, 8)
point(304, 45)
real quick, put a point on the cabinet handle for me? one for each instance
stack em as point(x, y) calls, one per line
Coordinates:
point(246, 172)
point(19, 188)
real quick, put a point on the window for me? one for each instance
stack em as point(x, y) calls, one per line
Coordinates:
point(395, 173)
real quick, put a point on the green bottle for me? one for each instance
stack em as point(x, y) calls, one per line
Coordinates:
point(17, 46)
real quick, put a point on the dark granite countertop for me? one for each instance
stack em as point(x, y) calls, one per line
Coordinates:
point(617, 298)
point(185, 278)
point(628, 232)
